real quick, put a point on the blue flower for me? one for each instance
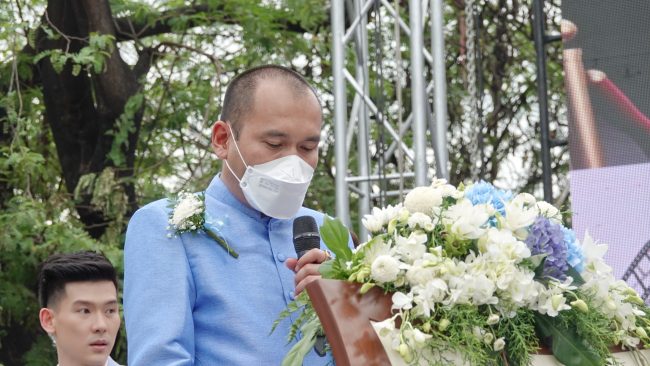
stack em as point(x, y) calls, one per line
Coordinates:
point(483, 192)
point(575, 257)
point(546, 237)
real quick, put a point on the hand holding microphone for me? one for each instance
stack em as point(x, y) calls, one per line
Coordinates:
point(306, 241)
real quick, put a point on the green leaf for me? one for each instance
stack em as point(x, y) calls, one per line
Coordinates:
point(297, 353)
point(539, 269)
point(336, 236)
point(326, 269)
point(567, 346)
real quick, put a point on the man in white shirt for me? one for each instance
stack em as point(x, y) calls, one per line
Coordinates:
point(80, 312)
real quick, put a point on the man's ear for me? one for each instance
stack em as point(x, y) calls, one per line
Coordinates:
point(219, 141)
point(46, 316)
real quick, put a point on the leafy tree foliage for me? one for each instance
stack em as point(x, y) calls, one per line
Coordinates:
point(106, 105)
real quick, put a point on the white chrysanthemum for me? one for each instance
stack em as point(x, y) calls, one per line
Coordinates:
point(423, 199)
point(384, 269)
point(188, 206)
point(549, 211)
point(446, 190)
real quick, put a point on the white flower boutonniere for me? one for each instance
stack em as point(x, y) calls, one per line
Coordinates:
point(189, 216)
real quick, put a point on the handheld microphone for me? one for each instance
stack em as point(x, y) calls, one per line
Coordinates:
point(305, 235)
point(305, 238)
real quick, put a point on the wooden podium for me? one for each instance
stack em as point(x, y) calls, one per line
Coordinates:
point(346, 316)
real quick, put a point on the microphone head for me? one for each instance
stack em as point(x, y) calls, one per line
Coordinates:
point(305, 235)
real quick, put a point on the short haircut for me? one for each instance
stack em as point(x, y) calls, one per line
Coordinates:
point(240, 94)
point(60, 269)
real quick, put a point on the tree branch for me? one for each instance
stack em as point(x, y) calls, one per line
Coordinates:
point(126, 29)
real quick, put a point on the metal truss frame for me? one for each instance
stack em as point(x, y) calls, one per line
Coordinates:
point(356, 112)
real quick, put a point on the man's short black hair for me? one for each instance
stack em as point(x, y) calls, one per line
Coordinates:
point(59, 269)
point(240, 94)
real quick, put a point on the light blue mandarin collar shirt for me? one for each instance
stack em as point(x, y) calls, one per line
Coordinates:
point(187, 302)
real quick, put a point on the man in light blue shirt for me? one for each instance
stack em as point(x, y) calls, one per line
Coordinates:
point(186, 300)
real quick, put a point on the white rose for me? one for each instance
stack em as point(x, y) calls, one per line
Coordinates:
point(384, 269)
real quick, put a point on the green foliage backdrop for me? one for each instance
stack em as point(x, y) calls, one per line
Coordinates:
point(106, 105)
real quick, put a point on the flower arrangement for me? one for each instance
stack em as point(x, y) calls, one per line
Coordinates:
point(484, 273)
point(188, 215)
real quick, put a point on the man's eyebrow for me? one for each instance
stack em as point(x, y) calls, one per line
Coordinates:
point(87, 303)
point(274, 133)
point(278, 133)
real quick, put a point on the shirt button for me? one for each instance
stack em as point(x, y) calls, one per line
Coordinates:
point(292, 296)
point(281, 257)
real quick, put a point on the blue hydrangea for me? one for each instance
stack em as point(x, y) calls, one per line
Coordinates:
point(575, 257)
point(546, 237)
point(483, 192)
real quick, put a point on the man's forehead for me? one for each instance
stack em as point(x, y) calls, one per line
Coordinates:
point(77, 290)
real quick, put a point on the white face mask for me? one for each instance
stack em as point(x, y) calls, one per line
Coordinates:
point(276, 188)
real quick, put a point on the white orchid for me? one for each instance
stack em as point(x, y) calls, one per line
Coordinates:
point(402, 301)
point(411, 248)
point(521, 212)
